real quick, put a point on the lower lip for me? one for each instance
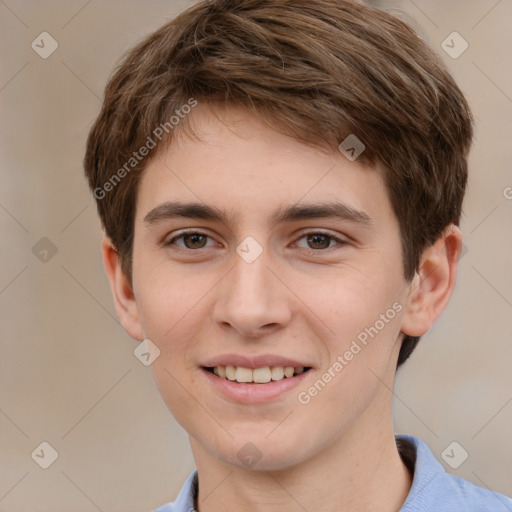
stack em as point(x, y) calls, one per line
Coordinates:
point(246, 393)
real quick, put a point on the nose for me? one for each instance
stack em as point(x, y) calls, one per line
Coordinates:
point(252, 299)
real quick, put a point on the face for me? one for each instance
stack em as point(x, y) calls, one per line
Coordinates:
point(290, 258)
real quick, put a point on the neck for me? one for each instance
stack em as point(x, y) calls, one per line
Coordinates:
point(361, 472)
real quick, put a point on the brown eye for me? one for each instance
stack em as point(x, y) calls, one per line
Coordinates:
point(319, 241)
point(196, 241)
point(192, 240)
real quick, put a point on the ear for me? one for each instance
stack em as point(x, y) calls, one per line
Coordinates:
point(124, 298)
point(432, 286)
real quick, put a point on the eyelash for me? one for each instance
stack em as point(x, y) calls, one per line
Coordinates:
point(339, 241)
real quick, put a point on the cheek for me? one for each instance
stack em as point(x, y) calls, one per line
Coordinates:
point(166, 300)
point(362, 311)
point(352, 301)
point(186, 409)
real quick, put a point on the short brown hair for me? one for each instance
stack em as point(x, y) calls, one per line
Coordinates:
point(316, 71)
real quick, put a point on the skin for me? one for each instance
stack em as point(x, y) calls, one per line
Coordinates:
point(336, 453)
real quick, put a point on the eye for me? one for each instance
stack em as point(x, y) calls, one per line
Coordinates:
point(191, 240)
point(318, 241)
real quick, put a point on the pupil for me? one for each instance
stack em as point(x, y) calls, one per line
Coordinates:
point(194, 237)
point(313, 239)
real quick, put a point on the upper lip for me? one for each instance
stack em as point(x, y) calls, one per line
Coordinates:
point(252, 362)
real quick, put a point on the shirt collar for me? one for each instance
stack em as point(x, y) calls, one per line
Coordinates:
point(432, 488)
point(187, 497)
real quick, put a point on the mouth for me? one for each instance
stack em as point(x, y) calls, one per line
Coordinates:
point(262, 375)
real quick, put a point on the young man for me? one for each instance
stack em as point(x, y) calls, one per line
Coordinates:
point(280, 184)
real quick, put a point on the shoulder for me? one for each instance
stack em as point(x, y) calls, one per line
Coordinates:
point(435, 489)
point(477, 498)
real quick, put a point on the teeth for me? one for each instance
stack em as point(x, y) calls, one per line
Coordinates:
point(230, 372)
point(288, 371)
point(277, 373)
point(258, 375)
point(262, 375)
point(243, 374)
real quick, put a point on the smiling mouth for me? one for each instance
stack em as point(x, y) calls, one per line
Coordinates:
point(257, 375)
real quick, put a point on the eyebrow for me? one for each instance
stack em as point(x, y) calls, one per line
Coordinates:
point(290, 213)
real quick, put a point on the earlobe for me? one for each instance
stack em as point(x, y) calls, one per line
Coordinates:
point(433, 284)
point(122, 291)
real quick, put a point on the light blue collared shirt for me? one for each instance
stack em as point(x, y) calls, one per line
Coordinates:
point(433, 489)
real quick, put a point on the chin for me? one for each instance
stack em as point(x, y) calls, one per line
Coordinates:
point(257, 453)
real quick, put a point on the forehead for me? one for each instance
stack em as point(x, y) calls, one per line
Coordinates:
point(239, 164)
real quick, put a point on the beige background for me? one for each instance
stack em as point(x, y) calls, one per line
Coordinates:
point(68, 375)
